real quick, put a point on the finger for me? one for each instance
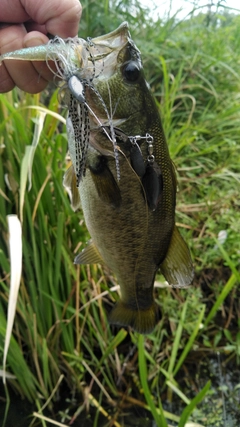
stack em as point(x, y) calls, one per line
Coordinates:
point(60, 17)
point(13, 12)
point(33, 26)
point(6, 83)
point(20, 73)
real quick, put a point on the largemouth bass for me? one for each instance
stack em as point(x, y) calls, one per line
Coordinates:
point(121, 173)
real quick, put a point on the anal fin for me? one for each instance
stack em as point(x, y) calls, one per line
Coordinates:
point(177, 266)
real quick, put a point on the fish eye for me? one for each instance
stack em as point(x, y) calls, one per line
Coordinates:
point(131, 71)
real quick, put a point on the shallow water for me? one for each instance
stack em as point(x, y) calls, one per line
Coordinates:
point(221, 407)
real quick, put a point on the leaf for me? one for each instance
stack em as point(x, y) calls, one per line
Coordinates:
point(6, 374)
point(15, 245)
point(159, 418)
point(223, 295)
point(27, 161)
point(192, 405)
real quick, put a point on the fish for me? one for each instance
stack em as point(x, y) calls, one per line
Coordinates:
point(121, 176)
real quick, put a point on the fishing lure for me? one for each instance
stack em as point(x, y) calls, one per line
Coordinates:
point(78, 126)
point(149, 171)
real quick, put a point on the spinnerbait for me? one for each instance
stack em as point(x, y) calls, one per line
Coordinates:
point(149, 171)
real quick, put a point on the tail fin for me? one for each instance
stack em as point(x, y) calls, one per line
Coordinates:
point(142, 321)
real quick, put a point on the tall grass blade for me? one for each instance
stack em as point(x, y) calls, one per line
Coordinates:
point(52, 422)
point(7, 374)
point(227, 288)
point(194, 425)
point(177, 341)
point(121, 335)
point(47, 111)
point(27, 161)
point(15, 245)
point(190, 342)
point(7, 406)
point(159, 419)
point(192, 405)
point(178, 392)
point(230, 263)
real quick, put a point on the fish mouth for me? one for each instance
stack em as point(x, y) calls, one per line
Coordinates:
point(104, 51)
point(114, 39)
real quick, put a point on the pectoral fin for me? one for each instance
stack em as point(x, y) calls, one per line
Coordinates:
point(177, 266)
point(105, 183)
point(70, 183)
point(89, 255)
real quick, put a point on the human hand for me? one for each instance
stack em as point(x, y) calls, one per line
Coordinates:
point(25, 23)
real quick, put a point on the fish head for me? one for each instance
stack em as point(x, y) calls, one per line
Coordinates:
point(116, 88)
point(111, 87)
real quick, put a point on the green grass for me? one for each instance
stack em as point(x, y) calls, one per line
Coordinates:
point(61, 337)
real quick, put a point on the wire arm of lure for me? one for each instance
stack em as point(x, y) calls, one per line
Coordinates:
point(148, 138)
point(100, 124)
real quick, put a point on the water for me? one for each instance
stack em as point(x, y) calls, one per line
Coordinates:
point(220, 408)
